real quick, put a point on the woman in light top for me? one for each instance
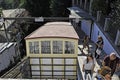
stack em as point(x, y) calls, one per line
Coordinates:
point(88, 65)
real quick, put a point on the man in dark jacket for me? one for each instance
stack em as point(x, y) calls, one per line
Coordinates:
point(111, 61)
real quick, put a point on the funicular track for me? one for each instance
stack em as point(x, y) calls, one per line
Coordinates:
point(15, 71)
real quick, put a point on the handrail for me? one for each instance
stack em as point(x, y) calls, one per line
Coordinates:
point(83, 73)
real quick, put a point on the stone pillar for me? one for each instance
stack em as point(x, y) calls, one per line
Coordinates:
point(73, 23)
point(77, 2)
point(90, 7)
point(106, 25)
point(73, 2)
point(85, 4)
point(71, 18)
point(80, 3)
point(117, 40)
point(99, 13)
point(76, 21)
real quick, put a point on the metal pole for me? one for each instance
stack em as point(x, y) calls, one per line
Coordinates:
point(3, 21)
point(5, 31)
point(90, 7)
point(45, 18)
point(85, 4)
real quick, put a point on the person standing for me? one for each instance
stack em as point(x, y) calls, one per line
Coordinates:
point(85, 42)
point(88, 65)
point(99, 47)
point(111, 61)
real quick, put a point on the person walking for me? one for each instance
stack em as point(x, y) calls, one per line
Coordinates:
point(88, 65)
point(85, 42)
point(99, 47)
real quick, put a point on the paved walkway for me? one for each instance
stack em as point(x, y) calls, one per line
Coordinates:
point(82, 57)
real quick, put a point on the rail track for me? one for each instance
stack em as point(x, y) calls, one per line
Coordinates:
point(15, 72)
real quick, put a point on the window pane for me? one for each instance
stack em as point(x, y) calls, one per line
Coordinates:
point(70, 61)
point(46, 73)
point(58, 73)
point(58, 61)
point(45, 47)
point(34, 47)
point(35, 68)
point(57, 47)
point(31, 49)
point(46, 68)
point(34, 61)
point(35, 73)
point(46, 61)
point(69, 47)
point(70, 73)
point(58, 68)
point(70, 68)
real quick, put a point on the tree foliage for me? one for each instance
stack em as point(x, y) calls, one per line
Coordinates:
point(99, 5)
point(115, 17)
point(9, 4)
point(59, 7)
point(38, 8)
point(46, 8)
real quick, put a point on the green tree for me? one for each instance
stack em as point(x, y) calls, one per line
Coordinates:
point(22, 3)
point(99, 5)
point(115, 18)
point(3, 4)
point(59, 7)
point(38, 8)
point(9, 4)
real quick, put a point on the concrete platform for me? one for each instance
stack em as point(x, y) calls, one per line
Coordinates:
point(82, 57)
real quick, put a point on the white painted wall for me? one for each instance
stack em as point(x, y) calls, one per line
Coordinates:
point(108, 48)
point(85, 26)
